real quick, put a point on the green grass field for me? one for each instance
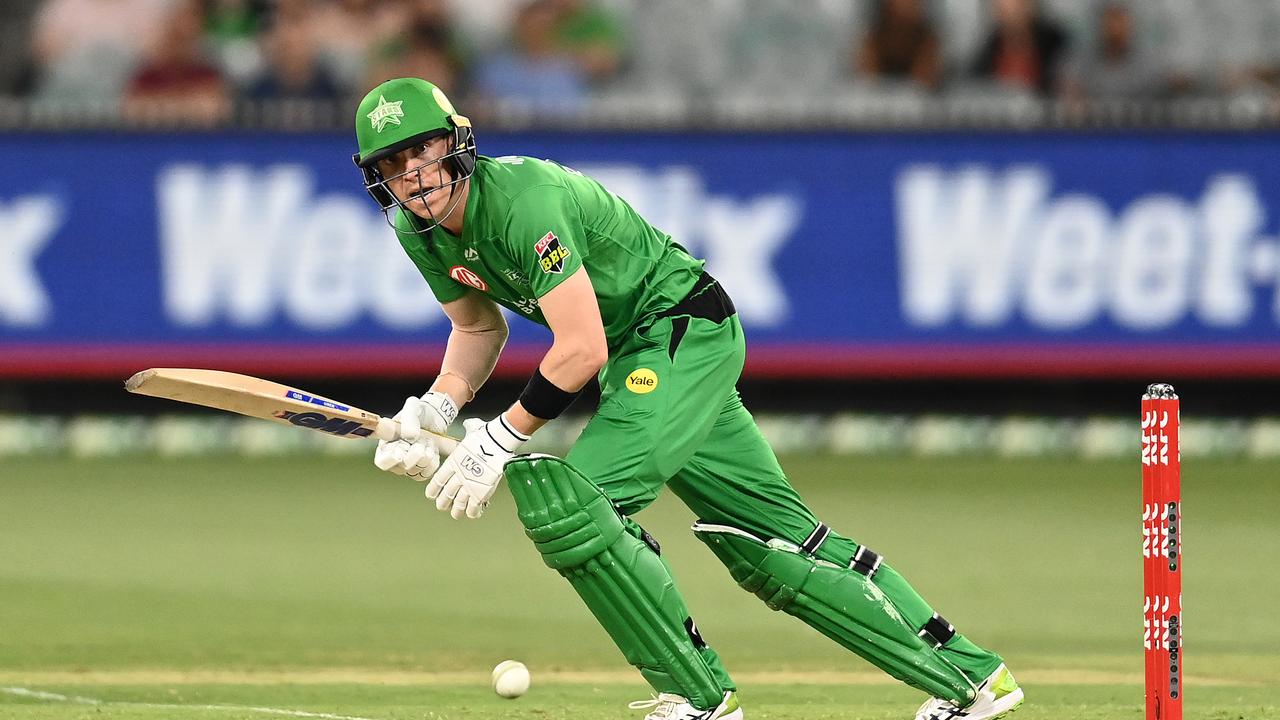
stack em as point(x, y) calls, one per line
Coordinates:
point(235, 588)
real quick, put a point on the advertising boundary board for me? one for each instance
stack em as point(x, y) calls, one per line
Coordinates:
point(912, 255)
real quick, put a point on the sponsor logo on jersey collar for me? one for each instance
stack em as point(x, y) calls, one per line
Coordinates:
point(386, 113)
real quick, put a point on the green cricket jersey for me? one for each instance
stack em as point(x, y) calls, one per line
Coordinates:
point(530, 224)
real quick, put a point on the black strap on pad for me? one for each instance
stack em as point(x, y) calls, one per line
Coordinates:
point(937, 631)
point(815, 539)
point(865, 562)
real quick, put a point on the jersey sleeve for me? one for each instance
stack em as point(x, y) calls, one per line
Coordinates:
point(445, 288)
point(545, 236)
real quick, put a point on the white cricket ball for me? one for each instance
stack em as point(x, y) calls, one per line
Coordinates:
point(511, 679)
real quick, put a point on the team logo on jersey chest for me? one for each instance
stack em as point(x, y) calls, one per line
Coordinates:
point(466, 276)
point(551, 253)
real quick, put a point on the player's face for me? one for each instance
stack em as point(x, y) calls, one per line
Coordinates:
point(415, 175)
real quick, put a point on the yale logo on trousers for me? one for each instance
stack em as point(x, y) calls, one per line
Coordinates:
point(642, 381)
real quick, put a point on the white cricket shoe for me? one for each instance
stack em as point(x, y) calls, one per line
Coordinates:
point(998, 696)
point(667, 706)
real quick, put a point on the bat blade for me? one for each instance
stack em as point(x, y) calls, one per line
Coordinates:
point(259, 398)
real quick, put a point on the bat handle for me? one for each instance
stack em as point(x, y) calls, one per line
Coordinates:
point(446, 443)
point(387, 430)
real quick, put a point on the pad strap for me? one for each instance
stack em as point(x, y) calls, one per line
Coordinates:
point(866, 561)
point(937, 632)
point(814, 541)
point(694, 636)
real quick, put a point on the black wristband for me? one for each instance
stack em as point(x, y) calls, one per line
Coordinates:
point(542, 399)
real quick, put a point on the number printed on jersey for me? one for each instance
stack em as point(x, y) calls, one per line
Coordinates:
point(551, 254)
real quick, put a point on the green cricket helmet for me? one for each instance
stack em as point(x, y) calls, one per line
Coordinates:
point(400, 114)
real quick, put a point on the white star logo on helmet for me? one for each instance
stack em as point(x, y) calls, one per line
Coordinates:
point(386, 113)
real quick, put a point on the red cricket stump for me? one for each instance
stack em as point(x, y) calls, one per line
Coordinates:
point(1162, 553)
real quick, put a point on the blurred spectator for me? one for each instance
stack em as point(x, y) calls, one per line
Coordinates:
point(592, 36)
point(1024, 49)
point(537, 71)
point(1116, 69)
point(677, 48)
point(349, 33)
point(232, 19)
point(85, 50)
point(788, 48)
point(293, 70)
point(426, 46)
point(901, 45)
point(1248, 64)
point(233, 26)
point(177, 82)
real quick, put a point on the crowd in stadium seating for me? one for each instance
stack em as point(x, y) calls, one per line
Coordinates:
point(194, 59)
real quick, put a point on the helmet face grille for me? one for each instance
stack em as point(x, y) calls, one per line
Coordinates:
point(460, 163)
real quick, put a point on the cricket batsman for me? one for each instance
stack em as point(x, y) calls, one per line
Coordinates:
point(625, 303)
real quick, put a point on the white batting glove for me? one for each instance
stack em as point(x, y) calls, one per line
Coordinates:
point(417, 460)
point(404, 449)
point(434, 411)
point(469, 477)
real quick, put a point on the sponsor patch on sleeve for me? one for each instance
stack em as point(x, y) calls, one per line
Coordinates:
point(551, 254)
point(467, 276)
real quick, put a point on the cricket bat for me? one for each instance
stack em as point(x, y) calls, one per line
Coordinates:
point(268, 400)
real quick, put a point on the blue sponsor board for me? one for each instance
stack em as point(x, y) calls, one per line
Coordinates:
point(846, 254)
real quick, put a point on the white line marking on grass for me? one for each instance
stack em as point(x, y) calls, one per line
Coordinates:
point(57, 697)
